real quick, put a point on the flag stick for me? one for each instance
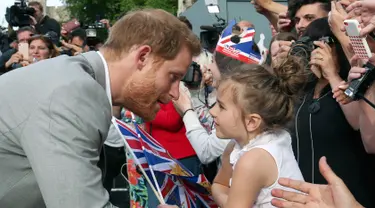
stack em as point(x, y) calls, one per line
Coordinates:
point(159, 197)
point(149, 164)
point(156, 182)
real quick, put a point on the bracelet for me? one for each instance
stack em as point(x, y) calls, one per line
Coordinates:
point(190, 109)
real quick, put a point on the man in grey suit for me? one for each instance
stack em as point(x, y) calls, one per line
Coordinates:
point(55, 114)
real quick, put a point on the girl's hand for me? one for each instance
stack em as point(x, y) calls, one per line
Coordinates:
point(184, 101)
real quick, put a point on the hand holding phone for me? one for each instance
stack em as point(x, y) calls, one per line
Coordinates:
point(23, 48)
point(358, 43)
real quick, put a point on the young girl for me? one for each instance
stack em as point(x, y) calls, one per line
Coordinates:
point(252, 107)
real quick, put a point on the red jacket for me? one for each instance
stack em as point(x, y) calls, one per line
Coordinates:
point(169, 129)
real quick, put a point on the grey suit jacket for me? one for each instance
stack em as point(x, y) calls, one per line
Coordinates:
point(54, 117)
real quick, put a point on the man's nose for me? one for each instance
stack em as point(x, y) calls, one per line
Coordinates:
point(301, 24)
point(175, 91)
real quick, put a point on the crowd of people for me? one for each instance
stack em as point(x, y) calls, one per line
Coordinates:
point(44, 38)
point(260, 129)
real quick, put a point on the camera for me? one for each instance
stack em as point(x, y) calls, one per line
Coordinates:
point(193, 76)
point(358, 87)
point(93, 30)
point(304, 46)
point(211, 34)
point(18, 14)
point(96, 33)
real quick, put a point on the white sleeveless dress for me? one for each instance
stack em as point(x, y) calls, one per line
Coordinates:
point(278, 144)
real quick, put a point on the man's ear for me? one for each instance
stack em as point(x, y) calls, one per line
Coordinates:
point(143, 55)
point(252, 122)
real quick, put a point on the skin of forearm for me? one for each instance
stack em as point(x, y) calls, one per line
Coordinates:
point(367, 120)
point(276, 8)
point(345, 44)
point(220, 194)
point(272, 18)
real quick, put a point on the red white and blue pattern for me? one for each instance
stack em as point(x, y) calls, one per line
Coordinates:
point(177, 184)
point(242, 51)
point(184, 191)
point(148, 151)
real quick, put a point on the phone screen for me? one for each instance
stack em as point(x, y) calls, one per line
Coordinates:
point(23, 48)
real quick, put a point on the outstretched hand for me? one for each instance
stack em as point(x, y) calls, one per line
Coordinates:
point(333, 195)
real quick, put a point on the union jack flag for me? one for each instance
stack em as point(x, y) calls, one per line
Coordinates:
point(242, 50)
point(177, 184)
point(149, 151)
point(184, 191)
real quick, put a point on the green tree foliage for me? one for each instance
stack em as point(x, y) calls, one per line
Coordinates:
point(87, 11)
point(168, 5)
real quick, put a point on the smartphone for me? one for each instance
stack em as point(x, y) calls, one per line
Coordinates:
point(71, 25)
point(23, 48)
point(359, 43)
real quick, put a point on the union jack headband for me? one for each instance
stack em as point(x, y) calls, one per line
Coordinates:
point(238, 43)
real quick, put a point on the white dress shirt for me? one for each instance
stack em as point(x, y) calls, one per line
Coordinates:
point(113, 138)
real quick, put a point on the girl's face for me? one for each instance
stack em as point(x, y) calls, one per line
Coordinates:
point(226, 114)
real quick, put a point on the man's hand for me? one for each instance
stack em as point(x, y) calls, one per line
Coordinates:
point(337, 17)
point(262, 3)
point(15, 58)
point(77, 49)
point(284, 23)
point(33, 20)
point(335, 194)
point(258, 7)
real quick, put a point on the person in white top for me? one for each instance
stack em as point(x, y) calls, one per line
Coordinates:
point(253, 106)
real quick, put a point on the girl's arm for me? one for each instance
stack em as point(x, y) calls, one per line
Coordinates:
point(220, 186)
point(207, 146)
point(255, 170)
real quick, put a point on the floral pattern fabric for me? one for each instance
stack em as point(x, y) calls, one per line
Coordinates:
point(137, 183)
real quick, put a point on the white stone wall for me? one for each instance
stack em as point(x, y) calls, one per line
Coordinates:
point(59, 13)
point(183, 5)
